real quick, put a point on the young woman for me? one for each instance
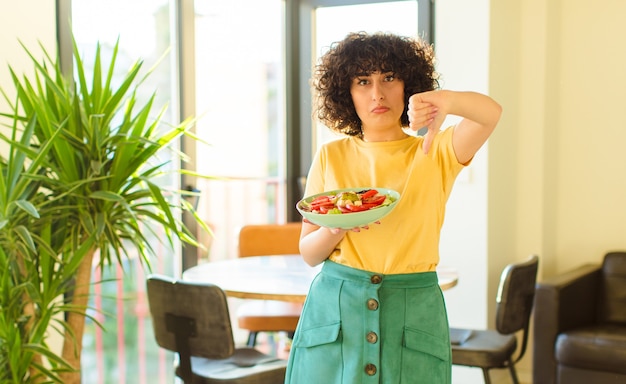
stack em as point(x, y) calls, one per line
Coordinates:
point(375, 313)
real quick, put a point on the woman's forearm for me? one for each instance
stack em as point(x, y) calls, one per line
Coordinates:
point(480, 116)
point(317, 244)
point(477, 107)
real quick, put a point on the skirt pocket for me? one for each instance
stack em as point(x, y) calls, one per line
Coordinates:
point(315, 337)
point(315, 355)
point(426, 358)
point(316, 351)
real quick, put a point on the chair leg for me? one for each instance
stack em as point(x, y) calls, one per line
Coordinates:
point(486, 376)
point(513, 372)
point(252, 339)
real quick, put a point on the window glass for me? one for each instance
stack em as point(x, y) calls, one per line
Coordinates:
point(125, 349)
point(239, 101)
point(240, 97)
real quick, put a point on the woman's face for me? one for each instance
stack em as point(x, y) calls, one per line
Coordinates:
point(379, 100)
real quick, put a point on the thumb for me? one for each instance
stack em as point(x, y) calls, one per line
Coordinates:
point(433, 129)
point(428, 140)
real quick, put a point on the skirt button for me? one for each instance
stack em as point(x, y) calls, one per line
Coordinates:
point(371, 337)
point(372, 304)
point(370, 369)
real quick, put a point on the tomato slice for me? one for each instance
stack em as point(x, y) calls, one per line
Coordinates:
point(344, 209)
point(369, 193)
point(356, 208)
point(324, 206)
point(378, 199)
point(320, 199)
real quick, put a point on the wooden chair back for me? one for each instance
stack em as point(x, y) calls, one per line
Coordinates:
point(270, 239)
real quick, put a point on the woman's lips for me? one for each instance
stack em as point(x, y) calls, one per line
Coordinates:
point(380, 109)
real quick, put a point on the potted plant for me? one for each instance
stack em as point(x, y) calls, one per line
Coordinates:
point(85, 155)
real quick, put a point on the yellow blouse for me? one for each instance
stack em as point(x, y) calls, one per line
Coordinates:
point(407, 239)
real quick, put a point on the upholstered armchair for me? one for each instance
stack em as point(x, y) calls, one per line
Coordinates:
point(580, 325)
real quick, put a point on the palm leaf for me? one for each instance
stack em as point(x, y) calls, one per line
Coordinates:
point(81, 174)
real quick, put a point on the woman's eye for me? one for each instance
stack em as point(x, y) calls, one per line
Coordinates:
point(362, 81)
point(390, 77)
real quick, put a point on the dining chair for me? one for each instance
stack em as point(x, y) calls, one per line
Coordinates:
point(495, 348)
point(257, 316)
point(192, 319)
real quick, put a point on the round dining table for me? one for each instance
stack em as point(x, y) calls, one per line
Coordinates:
point(275, 277)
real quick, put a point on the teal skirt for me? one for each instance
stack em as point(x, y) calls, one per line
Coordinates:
point(358, 327)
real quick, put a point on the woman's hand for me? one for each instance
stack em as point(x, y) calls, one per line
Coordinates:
point(336, 231)
point(427, 109)
point(317, 243)
point(479, 113)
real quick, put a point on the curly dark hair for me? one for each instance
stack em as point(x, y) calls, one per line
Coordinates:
point(411, 60)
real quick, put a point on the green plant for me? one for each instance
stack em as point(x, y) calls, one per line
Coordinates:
point(29, 284)
point(94, 188)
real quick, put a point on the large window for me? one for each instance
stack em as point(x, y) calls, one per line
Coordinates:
point(125, 349)
point(242, 68)
point(244, 95)
point(239, 98)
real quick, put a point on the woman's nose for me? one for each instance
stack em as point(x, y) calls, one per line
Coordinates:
point(377, 93)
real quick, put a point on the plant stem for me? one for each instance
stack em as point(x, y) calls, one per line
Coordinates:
point(73, 341)
point(29, 313)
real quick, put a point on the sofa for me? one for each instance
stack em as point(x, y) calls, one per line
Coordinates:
point(579, 325)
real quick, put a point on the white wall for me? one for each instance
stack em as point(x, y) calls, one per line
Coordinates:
point(32, 22)
point(462, 48)
point(560, 76)
point(591, 169)
point(463, 61)
point(22, 23)
point(29, 21)
point(557, 175)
